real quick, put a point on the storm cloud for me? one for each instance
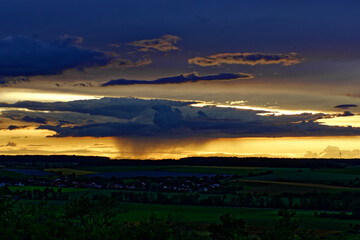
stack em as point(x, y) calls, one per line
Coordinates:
point(122, 108)
point(131, 117)
point(183, 78)
point(169, 122)
point(246, 59)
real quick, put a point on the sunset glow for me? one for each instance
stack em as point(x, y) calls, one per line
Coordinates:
point(198, 85)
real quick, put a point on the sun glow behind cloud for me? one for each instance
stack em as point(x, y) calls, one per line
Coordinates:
point(32, 141)
point(267, 110)
point(292, 147)
point(353, 121)
point(36, 141)
point(14, 95)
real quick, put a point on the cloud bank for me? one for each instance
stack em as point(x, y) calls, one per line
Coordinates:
point(26, 57)
point(138, 118)
point(246, 59)
point(22, 56)
point(183, 78)
point(334, 152)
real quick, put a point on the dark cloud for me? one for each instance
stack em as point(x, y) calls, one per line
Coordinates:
point(346, 106)
point(131, 117)
point(22, 56)
point(101, 130)
point(18, 116)
point(34, 119)
point(83, 85)
point(183, 78)
point(122, 108)
point(346, 114)
point(13, 127)
point(79, 84)
point(6, 81)
point(169, 123)
point(246, 59)
point(162, 44)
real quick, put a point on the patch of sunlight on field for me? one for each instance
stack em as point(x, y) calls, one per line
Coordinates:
point(69, 171)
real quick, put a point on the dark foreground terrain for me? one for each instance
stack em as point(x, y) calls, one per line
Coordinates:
point(69, 197)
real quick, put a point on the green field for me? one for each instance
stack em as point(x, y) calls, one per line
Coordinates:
point(348, 170)
point(204, 215)
point(64, 190)
point(301, 180)
point(306, 175)
point(5, 173)
point(252, 216)
point(273, 187)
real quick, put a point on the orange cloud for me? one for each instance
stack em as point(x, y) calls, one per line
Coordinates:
point(162, 44)
point(246, 59)
point(126, 63)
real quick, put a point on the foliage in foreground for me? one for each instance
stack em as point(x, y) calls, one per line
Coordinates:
point(86, 219)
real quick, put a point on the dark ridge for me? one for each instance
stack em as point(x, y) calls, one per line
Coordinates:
point(84, 161)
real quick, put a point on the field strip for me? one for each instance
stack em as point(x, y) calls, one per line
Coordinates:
point(298, 184)
point(69, 171)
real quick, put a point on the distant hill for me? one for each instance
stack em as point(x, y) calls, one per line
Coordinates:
point(71, 160)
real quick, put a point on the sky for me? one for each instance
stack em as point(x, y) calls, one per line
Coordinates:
point(169, 79)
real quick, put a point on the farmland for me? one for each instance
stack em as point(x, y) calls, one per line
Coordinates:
point(323, 197)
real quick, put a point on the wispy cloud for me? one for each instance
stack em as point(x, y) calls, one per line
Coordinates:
point(162, 44)
point(68, 39)
point(246, 59)
point(127, 63)
point(183, 78)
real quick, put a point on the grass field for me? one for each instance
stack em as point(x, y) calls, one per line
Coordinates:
point(252, 216)
point(64, 190)
point(307, 175)
point(275, 187)
point(348, 170)
point(200, 216)
point(11, 174)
